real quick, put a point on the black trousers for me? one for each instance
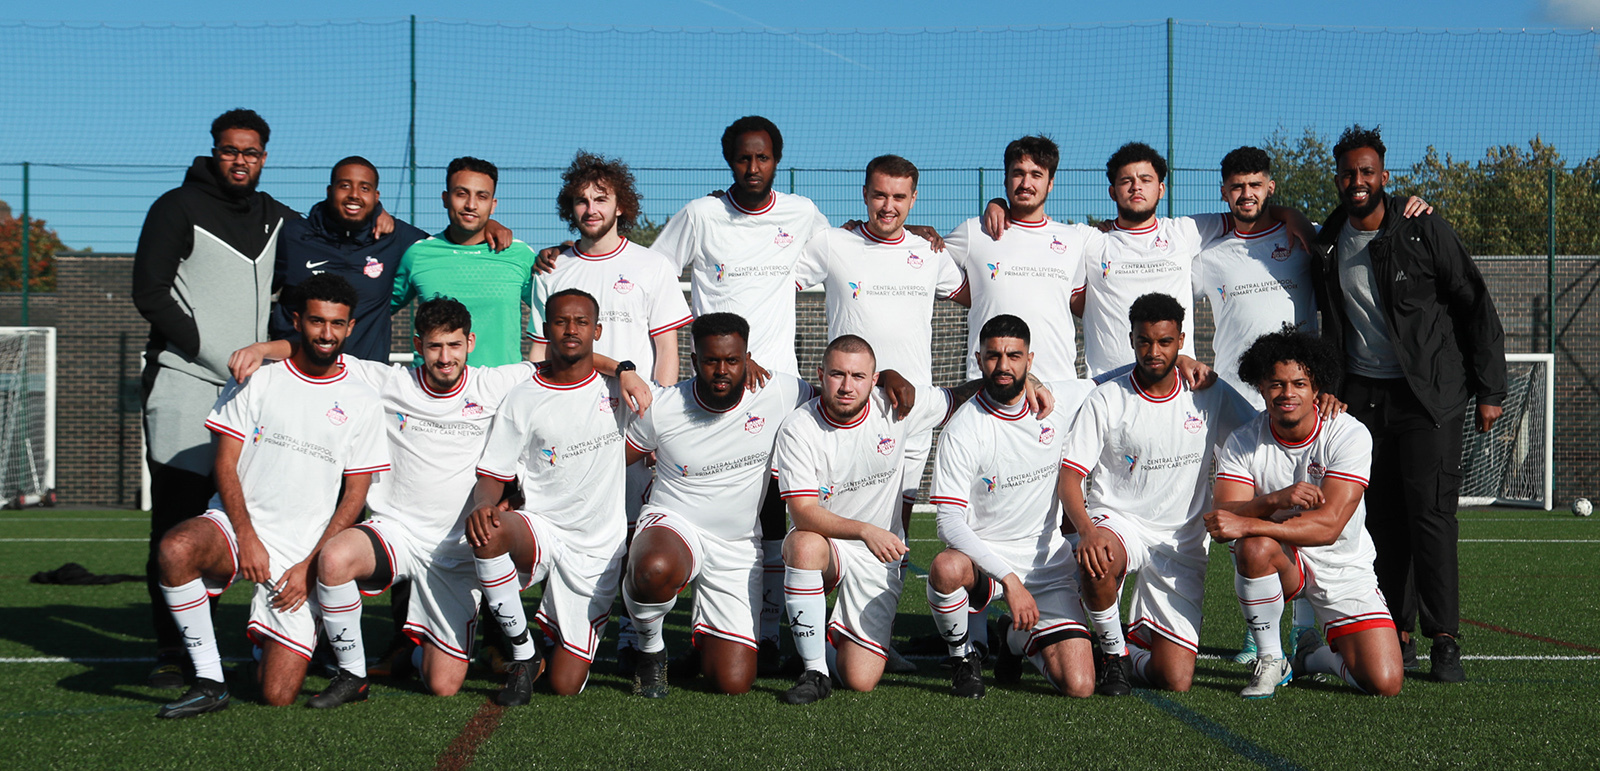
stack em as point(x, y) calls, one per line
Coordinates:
point(1411, 503)
point(175, 495)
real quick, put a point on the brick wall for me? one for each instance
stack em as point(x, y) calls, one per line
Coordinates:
point(99, 341)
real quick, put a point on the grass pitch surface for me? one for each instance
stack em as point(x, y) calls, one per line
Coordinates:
point(74, 660)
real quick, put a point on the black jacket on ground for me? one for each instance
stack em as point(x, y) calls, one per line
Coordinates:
point(1446, 331)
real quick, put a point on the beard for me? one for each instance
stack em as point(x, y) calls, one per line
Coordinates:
point(1375, 196)
point(1135, 216)
point(1261, 211)
point(1004, 394)
point(317, 358)
point(336, 215)
point(840, 415)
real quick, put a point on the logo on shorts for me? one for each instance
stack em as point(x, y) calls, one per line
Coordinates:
point(373, 268)
point(255, 436)
point(608, 403)
point(1159, 243)
point(885, 444)
point(682, 469)
point(1056, 245)
point(754, 424)
point(855, 290)
point(1046, 435)
point(1280, 252)
point(782, 239)
point(470, 409)
point(1192, 422)
point(1133, 460)
point(990, 482)
point(623, 285)
point(1315, 470)
point(722, 269)
point(549, 454)
point(401, 416)
point(913, 260)
point(336, 416)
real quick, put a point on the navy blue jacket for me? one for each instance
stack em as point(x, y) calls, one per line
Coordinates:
point(319, 244)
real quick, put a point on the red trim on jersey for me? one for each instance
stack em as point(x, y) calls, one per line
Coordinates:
point(1239, 479)
point(482, 472)
point(679, 324)
point(539, 378)
point(958, 290)
point(635, 445)
point(317, 380)
point(1312, 437)
point(1080, 290)
point(461, 383)
point(1257, 234)
point(1352, 624)
point(608, 255)
point(772, 200)
point(999, 410)
point(1033, 224)
point(355, 472)
point(218, 428)
point(861, 418)
point(1075, 467)
point(787, 494)
point(1154, 225)
point(943, 499)
point(866, 232)
point(1177, 385)
point(1347, 477)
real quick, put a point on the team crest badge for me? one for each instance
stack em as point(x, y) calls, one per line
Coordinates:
point(855, 290)
point(471, 409)
point(994, 270)
point(722, 269)
point(1159, 243)
point(1133, 460)
point(255, 437)
point(753, 424)
point(373, 268)
point(782, 239)
point(913, 260)
point(1280, 252)
point(401, 416)
point(336, 416)
point(1192, 422)
point(1046, 435)
point(885, 444)
point(1056, 245)
point(991, 481)
point(608, 403)
point(623, 285)
point(548, 454)
point(1316, 470)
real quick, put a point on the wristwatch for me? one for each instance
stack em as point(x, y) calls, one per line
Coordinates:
point(625, 366)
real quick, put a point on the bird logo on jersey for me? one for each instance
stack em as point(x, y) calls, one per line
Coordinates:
point(1046, 435)
point(1192, 422)
point(991, 481)
point(373, 268)
point(471, 409)
point(1105, 267)
point(994, 270)
point(753, 424)
point(682, 469)
point(722, 268)
point(623, 285)
point(1222, 292)
point(336, 416)
point(1280, 252)
point(825, 493)
point(1133, 460)
point(401, 416)
point(782, 239)
point(885, 444)
point(913, 260)
point(855, 290)
point(1316, 470)
point(255, 437)
point(1056, 245)
point(549, 454)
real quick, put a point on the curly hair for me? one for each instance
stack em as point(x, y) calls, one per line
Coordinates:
point(1134, 152)
point(745, 125)
point(610, 175)
point(1357, 137)
point(240, 118)
point(1246, 160)
point(1314, 354)
point(1155, 307)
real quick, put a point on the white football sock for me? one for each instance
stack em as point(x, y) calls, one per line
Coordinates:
point(1016, 640)
point(191, 611)
point(627, 637)
point(808, 616)
point(1108, 630)
point(978, 627)
point(648, 620)
point(950, 618)
point(502, 591)
point(1304, 615)
point(1326, 660)
point(341, 622)
point(1140, 658)
point(771, 588)
point(1261, 602)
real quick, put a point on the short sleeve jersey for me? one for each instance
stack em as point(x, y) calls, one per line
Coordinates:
point(1339, 448)
point(853, 468)
point(712, 465)
point(493, 285)
point(1031, 273)
point(1255, 282)
point(1150, 454)
point(563, 442)
point(435, 439)
point(639, 298)
point(1128, 264)
point(741, 261)
point(883, 291)
point(302, 435)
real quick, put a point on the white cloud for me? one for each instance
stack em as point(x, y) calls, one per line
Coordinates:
point(1577, 12)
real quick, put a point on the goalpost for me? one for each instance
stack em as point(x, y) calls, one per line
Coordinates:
point(27, 416)
point(1513, 464)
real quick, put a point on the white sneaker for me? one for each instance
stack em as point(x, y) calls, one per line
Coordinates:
point(1268, 675)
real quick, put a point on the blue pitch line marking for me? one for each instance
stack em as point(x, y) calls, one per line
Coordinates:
point(1215, 731)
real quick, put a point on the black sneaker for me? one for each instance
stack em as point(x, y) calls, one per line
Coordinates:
point(1007, 665)
point(342, 689)
point(171, 671)
point(650, 675)
point(967, 680)
point(1118, 677)
point(627, 659)
point(1446, 658)
point(686, 666)
point(769, 661)
point(1408, 655)
point(812, 686)
point(518, 689)
point(205, 696)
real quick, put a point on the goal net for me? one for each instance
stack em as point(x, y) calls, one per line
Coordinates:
point(1512, 464)
point(27, 416)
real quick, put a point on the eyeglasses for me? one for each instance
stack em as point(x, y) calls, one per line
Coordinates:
point(251, 154)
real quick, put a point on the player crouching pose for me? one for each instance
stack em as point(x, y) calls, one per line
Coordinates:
point(1289, 496)
point(287, 438)
point(995, 486)
point(713, 443)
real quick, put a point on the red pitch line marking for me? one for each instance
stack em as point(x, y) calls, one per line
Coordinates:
point(1540, 638)
point(477, 730)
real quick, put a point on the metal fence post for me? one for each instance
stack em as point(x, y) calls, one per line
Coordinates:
point(1172, 161)
point(981, 200)
point(27, 251)
point(1550, 262)
point(411, 138)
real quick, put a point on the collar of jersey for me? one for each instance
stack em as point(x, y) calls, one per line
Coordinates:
point(1156, 223)
point(606, 256)
point(711, 409)
point(461, 384)
point(538, 377)
point(1039, 223)
point(862, 418)
point(1150, 397)
point(867, 233)
point(999, 410)
point(1302, 443)
point(772, 200)
point(334, 378)
point(1258, 234)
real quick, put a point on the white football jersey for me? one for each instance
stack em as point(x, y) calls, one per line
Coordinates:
point(854, 468)
point(742, 260)
point(1339, 448)
point(1150, 454)
point(1128, 264)
point(435, 439)
point(302, 436)
point(639, 298)
point(882, 291)
point(1031, 273)
point(564, 442)
point(1255, 283)
point(712, 466)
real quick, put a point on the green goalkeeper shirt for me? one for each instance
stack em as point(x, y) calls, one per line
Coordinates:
point(493, 285)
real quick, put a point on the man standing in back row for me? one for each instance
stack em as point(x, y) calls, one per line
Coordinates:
point(1421, 337)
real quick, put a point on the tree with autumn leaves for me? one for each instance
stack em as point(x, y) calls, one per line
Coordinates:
point(43, 243)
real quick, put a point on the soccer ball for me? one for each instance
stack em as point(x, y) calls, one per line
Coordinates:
point(1582, 507)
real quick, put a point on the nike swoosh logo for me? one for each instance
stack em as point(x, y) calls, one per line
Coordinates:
point(310, 264)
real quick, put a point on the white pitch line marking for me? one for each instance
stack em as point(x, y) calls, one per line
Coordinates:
point(74, 540)
point(88, 660)
point(5, 520)
point(1528, 540)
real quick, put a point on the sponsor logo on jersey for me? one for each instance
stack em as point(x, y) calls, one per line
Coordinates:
point(994, 270)
point(1280, 252)
point(1192, 422)
point(314, 265)
point(682, 469)
point(608, 403)
point(470, 409)
point(782, 239)
point(1046, 435)
point(549, 454)
point(825, 492)
point(1105, 267)
point(855, 290)
point(336, 416)
point(1056, 245)
point(754, 424)
point(373, 268)
point(1222, 292)
point(722, 268)
point(255, 436)
point(913, 260)
point(401, 416)
point(623, 285)
point(1159, 243)
point(1133, 460)
point(1315, 470)
point(885, 444)
point(991, 481)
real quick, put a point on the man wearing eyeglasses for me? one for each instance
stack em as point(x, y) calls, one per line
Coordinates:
point(202, 276)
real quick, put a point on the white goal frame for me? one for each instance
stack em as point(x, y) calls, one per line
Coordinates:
point(49, 475)
point(1547, 501)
